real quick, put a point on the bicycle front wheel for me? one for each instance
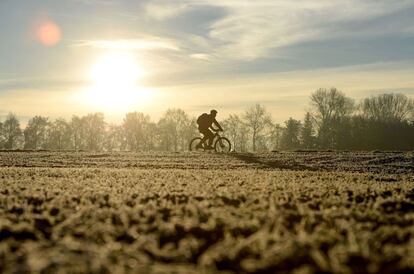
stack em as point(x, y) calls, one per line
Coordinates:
point(222, 145)
point(194, 143)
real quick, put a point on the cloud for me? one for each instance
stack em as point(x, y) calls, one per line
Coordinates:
point(201, 56)
point(96, 2)
point(256, 29)
point(130, 44)
point(58, 83)
point(163, 9)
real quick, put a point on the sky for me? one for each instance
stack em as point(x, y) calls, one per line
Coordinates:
point(59, 58)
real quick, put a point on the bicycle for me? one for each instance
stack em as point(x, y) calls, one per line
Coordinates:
point(220, 144)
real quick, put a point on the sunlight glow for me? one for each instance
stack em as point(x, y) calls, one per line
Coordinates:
point(114, 86)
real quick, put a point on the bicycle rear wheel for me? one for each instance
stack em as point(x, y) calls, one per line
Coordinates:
point(194, 143)
point(222, 145)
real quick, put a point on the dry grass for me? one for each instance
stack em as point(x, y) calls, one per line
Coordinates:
point(190, 213)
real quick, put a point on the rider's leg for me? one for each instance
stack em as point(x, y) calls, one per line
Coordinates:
point(205, 136)
point(210, 137)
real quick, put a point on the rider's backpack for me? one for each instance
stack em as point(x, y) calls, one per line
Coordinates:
point(202, 119)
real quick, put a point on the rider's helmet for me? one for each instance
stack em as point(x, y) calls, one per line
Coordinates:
point(213, 112)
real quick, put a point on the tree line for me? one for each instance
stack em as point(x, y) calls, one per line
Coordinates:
point(334, 121)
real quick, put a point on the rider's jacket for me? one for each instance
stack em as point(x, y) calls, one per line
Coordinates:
point(207, 121)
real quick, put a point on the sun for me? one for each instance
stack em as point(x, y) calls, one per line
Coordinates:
point(114, 83)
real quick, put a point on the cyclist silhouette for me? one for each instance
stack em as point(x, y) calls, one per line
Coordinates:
point(205, 126)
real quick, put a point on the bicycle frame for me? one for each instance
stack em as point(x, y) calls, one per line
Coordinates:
point(219, 143)
point(216, 136)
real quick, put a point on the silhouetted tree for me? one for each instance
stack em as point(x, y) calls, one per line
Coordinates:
point(164, 133)
point(243, 137)
point(307, 133)
point(236, 131)
point(114, 138)
point(412, 117)
point(172, 128)
point(11, 132)
point(78, 132)
point(1, 136)
point(262, 143)
point(135, 127)
point(35, 133)
point(94, 130)
point(257, 119)
point(387, 107)
point(384, 122)
point(276, 134)
point(291, 134)
point(59, 135)
point(151, 139)
point(190, 131)
point(231, 126)
point(328, 109)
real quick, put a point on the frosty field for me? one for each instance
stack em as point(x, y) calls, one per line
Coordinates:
point(299, 212)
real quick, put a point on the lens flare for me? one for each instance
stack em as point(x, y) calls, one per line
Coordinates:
point(48, 33)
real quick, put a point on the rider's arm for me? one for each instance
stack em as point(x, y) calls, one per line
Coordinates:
point(217, 125)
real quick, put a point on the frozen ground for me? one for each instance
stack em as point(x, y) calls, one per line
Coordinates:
point(204, 212)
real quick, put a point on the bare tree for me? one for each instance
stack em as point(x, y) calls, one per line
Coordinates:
point(412, 116)
point(94, 129)
point(151, 136)
point(164, 133)
point(78, 132)
point(11, 132)
point(1, 136)
point(35, 133)
point(275, 137)
point(232, 128)
point(387, 107)
point(330, 105)
point(328, 109)
point(257, 119)
point(237, 132)
point(243, 137)
point(190, 131)
point(135, 127)
point(59, 135)
point(173, 126)
point(114, 138)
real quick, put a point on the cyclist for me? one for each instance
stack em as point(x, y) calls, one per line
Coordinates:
point(205, 122)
